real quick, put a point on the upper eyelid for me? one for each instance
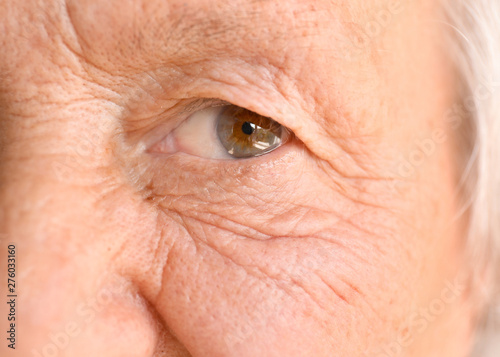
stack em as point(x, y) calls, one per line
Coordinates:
point(184, 110)
point(204, 103)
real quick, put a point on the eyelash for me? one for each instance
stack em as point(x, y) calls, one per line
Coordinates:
point(200, 128)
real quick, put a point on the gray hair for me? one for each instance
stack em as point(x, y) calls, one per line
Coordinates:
point(476, 53)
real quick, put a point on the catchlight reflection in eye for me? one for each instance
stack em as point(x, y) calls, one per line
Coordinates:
point(246, 134)
point(224, 132)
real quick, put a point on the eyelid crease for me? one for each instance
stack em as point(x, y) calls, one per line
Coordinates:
point(204, 103)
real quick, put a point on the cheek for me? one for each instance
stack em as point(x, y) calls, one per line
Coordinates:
point(243, 262)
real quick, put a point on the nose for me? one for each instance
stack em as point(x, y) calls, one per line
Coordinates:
point(67, 207)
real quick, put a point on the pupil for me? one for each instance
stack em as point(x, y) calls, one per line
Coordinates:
point(248, 128)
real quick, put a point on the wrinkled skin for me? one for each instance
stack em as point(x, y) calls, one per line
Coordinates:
point(331, 245)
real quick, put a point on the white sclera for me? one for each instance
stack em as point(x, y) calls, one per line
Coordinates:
point(203, 134)
point(197, 135)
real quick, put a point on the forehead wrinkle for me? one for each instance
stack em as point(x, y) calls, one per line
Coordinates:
point(141, 35)
point(240, 29)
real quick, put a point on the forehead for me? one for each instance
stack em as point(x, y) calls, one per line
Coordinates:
point(321, 68)
point(181, 32)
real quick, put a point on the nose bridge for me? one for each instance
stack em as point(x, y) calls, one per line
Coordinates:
point(59, 187)
point(56, 163)
point(62, 174)
point(51, 180)
point(49, 164)
point(57, 124)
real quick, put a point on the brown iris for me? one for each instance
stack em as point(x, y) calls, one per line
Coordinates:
point(246, 134)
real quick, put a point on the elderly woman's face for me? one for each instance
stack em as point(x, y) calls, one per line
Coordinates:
point(149, 221)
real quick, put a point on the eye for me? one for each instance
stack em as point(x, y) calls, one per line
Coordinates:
point(225, 132)
point(246, 134)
